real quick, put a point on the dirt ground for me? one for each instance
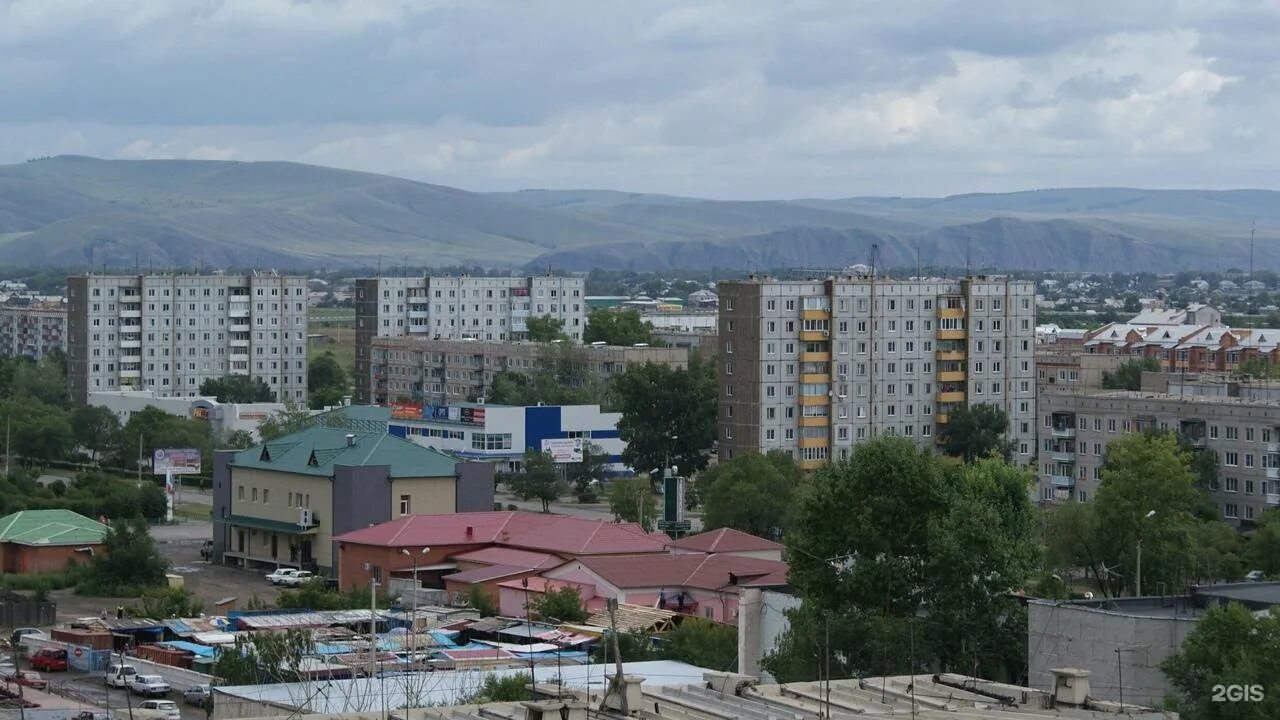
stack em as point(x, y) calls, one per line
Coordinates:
point(180, 544)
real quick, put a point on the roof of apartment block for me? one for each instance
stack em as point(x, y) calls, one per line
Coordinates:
point(705, 572)
point(50, 527)
point(725, 540)
point(515, 529)
point(318, 450)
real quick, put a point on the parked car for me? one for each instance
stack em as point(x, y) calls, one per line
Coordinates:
point(119, 675)
point(168, 707)
point(49, 660)
point(31, 679)
point(16, 637)
point(301, 577)
point(149, 685)
point(198, 695)
point(1254, 576)
point(279, 575)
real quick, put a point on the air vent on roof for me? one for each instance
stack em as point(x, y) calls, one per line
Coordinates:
point(265, 456)
point(351, 439)
point(312, 461)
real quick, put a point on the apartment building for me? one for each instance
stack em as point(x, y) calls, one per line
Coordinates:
point(1239, 421)
point(441, 372)
point(814, 367)
point(33, 329)
point(170, 333)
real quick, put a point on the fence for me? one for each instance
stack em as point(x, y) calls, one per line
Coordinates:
point(21, 611)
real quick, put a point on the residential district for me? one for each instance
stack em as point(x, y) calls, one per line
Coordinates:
point(433, 497)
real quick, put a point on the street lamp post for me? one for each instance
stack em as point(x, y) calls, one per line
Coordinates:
point(413, 619)
point(1137, 582)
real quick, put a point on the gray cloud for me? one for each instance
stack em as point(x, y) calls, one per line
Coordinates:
point(721, 99)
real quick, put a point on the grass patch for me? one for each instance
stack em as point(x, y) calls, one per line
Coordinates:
point(342, 345)
point(192, 511)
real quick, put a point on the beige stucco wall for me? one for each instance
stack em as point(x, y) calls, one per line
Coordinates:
point(279, 485)
point(427, 495)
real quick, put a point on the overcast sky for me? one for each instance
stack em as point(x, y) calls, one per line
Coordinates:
point(737, 99)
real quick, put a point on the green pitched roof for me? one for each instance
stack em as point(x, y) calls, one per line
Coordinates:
point(317, 450)
point(50, 527)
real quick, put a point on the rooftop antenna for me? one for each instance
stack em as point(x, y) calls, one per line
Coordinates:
point(1253, 229)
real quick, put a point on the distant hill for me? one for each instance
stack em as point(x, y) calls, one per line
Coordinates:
point(73, 211)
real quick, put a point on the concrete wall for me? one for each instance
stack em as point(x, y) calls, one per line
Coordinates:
point(1071, 635)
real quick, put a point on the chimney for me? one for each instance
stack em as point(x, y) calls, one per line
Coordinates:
point(1070, 686)
point(351, 439)
point(750, 605)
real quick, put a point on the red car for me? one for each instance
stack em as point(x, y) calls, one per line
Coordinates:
point(31, 680)
point(49, 660)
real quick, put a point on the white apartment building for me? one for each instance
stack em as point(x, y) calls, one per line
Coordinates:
point(170, 333)
point(814, 367)
point(468, 308)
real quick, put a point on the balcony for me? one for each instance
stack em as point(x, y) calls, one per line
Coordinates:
point(239, 357)
point(952, 376)
point(1273, 473)
point(417, 314)
point(815, 314)
point(1062, 456)
point(950, 312)
point(1273, 447)
point(130, 373)
point(815, 400)
point(815, 357)
point(1062, 481)
point(815, 335)
point(423, 328)
point(131, 343)
point(238, 312)
point(812, 442)
point(1273, 499)
point(238, 327)
point(940, 418)
point(812, 464)
point(131, 312)
point(1063, 431)
point(815, 378)
point(951, 334)
point(951, 396)
point(951, 355)
point(131, 358)
point(815, 420)
point(239, 342)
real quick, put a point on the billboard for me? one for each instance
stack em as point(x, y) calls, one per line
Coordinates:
point(406, 411)
point(176, 461)
point(566, 450)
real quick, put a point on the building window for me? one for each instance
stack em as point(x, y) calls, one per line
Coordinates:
point(404, 505)
point(1230, 510)
point(240, 493)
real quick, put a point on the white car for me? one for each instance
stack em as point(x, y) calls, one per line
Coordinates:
point(300, 577)
point(279, 575)
point(168, 707)
point(149, 685)
point(119, 675)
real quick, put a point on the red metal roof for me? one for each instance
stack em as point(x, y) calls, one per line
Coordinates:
point(514, 529)
point(706, 572)
point(485, 574)
point(538, 584)
point(725, 540)
point(509, 556)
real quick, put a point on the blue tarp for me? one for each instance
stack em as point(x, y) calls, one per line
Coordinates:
point(333, 649)
point(193, 648)
point(445, 638)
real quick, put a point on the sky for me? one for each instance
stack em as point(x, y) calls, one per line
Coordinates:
point(736, 99)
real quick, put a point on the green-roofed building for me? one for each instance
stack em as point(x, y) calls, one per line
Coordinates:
point(40, 541)
point(280, 503)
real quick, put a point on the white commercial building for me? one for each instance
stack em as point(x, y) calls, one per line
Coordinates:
point(502, 433)
point(170, 333)
point(223, 418)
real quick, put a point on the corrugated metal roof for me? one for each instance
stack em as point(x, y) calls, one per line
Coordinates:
point(317, 450)
point(51, 527)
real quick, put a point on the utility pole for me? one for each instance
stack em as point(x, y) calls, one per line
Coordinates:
point(618, 686)
point(8, 448)
point(139, 458)
point(1253, 229)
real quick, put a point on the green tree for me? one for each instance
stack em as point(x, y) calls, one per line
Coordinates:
point(632, 500)
point(128, 563)
point(260, 658)
point(1128, 375)
point(1229, 647)
point(316, 595)
point(326, 381)
point(1258, 367)
point(634, 646)
point(1140, 474)
point(167, 602)
point(44, 381)
point(751, 493)
point(537, 479)
point(480, 601)
point(545, 329)
point(617, 327)
point(891, 545)
point(1264, 546)
point(95, 429)
point(667, 414)
point(152, 428)
point(702, 643)
point(237, 389)
point(587, 476)
point(238, 440)
point(563, 605)
point(562, 376)
point(976, 431)
point(501, 688)
point(39, 431)
point(284, 422)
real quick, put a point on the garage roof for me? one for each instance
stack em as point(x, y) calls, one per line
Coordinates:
point(50, 527)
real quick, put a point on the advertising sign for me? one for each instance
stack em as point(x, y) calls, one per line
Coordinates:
point(176, 461)
point(567, 450)
point(473, 416)
point(406, 411)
